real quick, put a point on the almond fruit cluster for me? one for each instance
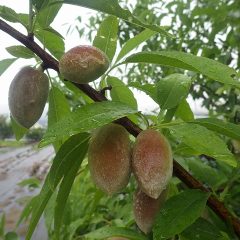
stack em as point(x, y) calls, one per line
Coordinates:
point(111, 161)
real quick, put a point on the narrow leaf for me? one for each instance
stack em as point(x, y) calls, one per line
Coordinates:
point(86, 118)
point(201, 229)
point(57, 110)
point(18, 130)
point(208, 67)
point(11, 236)
point(27, 210)
point(184, 111)
point(48, 12)
point(179, 212)
point(65, 188)
point(135, 42)
point(62, 163)
point(8, 14)
point(225, 128)
point(206, 174)
point(149, 89)
point(20, 52)
point(203, 141)
point(2, 224)
point(5, 63)
point(121, 93)
point(52, 41)
point(11, 16)
point(172, 89)
point(112, 7)
point(106, 232)
point(30, 182)
point(107, 35)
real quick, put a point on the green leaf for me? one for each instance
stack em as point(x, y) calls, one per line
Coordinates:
point(20, 52)
point(172, 89)
point(11, 16)
point(27, 210)
point(65, 188)
point(39, 4)
point(86, 118)
point(8, 14)
point(135, 42)
point(52, 41)
point(203, 141)
point(48, 12)
point(31, 182)
point(18, 130)
point(74, 148)
point(11, 236)
point(2, 224)
point(184, 150)
point(121, 93)
point(149, 89)
point(112, 7)
point(107, 35)
point(5, 63)
point(208, 67)
point(57, 110)
point(50, 29)
point(179, 212)
point(73, 226)
point(201, 230)
point(184, 111)
point(106, 232)
point(65, 158)
point(206, 174)
point(225, 128)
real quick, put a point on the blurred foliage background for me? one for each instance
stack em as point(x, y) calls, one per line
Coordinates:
point(204, 28)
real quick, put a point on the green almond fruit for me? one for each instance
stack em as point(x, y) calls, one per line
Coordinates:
point(27, 96)
point(152, 162)
point(83, 64)
point(109, 158)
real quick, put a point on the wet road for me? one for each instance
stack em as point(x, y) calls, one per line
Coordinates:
point(15, 166)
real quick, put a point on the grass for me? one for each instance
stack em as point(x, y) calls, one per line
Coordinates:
point(11, 143)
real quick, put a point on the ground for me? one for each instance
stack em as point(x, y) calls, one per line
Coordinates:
point(17, 164)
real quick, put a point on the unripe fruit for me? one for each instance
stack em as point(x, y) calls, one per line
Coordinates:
point(83, 64)
point(27, 96)
point(109, 158)
point(145, 209)
point(152, 162)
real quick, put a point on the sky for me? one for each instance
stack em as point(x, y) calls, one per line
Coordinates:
point(67, 14)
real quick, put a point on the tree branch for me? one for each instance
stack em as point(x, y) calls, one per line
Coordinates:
point(49, 62)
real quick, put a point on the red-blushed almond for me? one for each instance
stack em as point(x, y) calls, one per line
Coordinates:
point(27, 96)
point(109, 158)
point(83, 64)
point(145, 209)
point(152, 162)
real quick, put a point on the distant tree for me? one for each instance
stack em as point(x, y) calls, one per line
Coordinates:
point(5, 127)
point(35, 134)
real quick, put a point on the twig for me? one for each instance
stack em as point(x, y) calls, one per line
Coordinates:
point(49, 62)
point(102, 91)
